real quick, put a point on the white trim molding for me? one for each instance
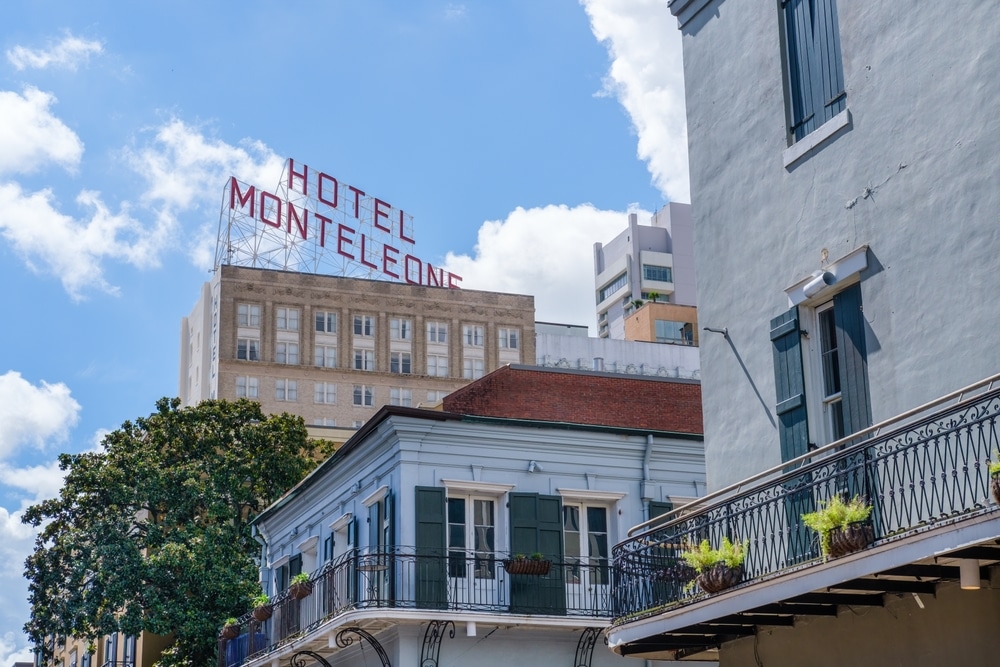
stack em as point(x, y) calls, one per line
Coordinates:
point(380, 493)
point(469, 486)
point(587, 494)
point(280, 561)
point(806, 144)
point(823, 282)
point(342, 522)
point(308, 545)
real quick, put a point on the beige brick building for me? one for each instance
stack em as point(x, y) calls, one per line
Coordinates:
point(334, 349)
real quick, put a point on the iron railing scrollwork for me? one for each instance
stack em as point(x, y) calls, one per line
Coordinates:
point(923, 473)
point(430, 652)
point(344, 640)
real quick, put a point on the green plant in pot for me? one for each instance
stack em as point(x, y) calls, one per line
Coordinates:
point(535, 564)
point(262, 608)
point(717, 569)
point(300, 586)
point(994, 471)
point(230, 628)
point(842, 525)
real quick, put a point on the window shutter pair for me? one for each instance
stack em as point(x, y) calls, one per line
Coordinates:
point(813, 59)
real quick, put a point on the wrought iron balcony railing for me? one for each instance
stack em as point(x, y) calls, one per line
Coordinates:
point(920, 470)
point(400, 578)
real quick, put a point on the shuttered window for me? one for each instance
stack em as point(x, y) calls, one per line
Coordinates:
point(813, 63)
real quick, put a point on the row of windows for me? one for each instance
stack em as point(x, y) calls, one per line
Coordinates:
point(363, 395)
point(615, 285)
point(663, 274)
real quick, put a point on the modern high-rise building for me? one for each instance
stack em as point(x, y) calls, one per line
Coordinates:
point(333, 349)
point(653, 262)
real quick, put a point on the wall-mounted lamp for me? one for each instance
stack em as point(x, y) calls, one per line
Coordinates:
point(535, 466)
point(969, 574)
point(724, 332)
point(819, 280)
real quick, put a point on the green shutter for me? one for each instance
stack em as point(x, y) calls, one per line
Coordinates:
point(853, 359)
point(658, 507)
point(431, 580)
point(295, 565)
point(789, 385)
point(536, 526)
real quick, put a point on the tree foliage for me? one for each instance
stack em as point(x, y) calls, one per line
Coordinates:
point(152, 533)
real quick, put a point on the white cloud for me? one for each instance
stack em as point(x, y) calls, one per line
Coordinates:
point(647, 78)
point(41, 481)
point(14, 648)
point(66, 54)
point(31, 137)
point(184, 170)
point(546, 252)
point(455, 11)
point(73, 249)
point(32, 414)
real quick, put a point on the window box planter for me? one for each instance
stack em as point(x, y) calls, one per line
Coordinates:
point(536, 567)
point(850, 538)
point(262, 612)
point(719, 577)
point(230, 630)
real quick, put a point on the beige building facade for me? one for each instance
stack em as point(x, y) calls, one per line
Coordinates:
point(656, 322)
point(333, 350)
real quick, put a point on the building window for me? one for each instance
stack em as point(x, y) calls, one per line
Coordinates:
point(364, 360)
point(287, 353)
point(286, 390)
point(399, 362)
point(326, 321)
point(585, 535)
point(613, 287)
point(435, 395)
point(472, 335)
point(822, 391)
point(324, 421)
point(325, 392)
point(247, 387)
point(668, 331)
point(437, 365)
point(364, 395)
point(400, 329)
point(248, 315)
point(248, 349)
point(364, 325)
point(437, 332)
point(508, 339)
point(471, 538)
point(325, 356)
point(288, 319)
point(663, 274)
point(813, 62)
point(472, 369)
point(400, 396)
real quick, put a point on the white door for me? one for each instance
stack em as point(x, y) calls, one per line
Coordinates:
point(585, 534)
point(472, 552)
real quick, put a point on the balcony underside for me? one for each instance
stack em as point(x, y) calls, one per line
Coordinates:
point(859, 580)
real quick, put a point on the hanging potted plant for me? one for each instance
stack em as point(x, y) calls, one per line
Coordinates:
point(843, 526)
point(230, 629)
point(995, 479)
point(717, 569)
point(262, 608)
point(535, 564)
point(300, 587)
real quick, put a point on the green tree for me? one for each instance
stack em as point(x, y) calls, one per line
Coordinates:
point(152, 533)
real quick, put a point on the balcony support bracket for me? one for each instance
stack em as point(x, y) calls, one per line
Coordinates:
point(343, 641)
point(431, 650)
point(298, 660)
point(585, 647)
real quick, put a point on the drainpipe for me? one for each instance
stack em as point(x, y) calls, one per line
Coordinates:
point(261, 538)
point(646, 492)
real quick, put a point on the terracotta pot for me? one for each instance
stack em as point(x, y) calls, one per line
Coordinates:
point(719, 578)
point(995, 488)
point(527, 566)
point(230, 631)
point(300, 591)
point(851, 538)
point(262, 613)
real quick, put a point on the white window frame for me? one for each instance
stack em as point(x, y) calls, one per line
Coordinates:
point(364, 326)
point(437, 333)
point(472, 335)
point(364, 359)
point(509, 339)
point(400, 328)
point(286, 391)
point(325, 356)
point(248, 315)
point(252, 347)
point(473, 368)
point(287, 319)
point(435, 367)
point(286, 353)
point(402, 396)
point(247, 387)
point(328, 319)
point(364, 395)
point(399, 361)
point(325, 393)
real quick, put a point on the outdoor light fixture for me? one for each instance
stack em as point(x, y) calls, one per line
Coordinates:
point(535, 466)
point(969, 569)
point(470, 629)
point(819, 280)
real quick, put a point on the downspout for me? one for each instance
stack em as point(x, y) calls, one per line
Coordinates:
point(261, 538)
point(646, 491)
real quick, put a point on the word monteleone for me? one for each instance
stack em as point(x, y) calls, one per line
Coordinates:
point(341, 215)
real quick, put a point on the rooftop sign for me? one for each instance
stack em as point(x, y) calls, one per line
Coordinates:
point(315, 223)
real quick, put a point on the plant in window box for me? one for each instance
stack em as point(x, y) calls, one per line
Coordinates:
point(843, 526)
point(717, 569)
point(230, 629)
point(300, 587)
point(535, 564)
point(994, 471)
point(262, 608)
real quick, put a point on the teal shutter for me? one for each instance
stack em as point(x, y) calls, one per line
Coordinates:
point(814, 64)
point(431, 578)
point(789, 385)
point(294, 565)
point(536, 526)
point(853, 359)
point(659, 507)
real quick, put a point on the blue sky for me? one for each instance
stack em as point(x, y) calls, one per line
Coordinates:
point(517, 134)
